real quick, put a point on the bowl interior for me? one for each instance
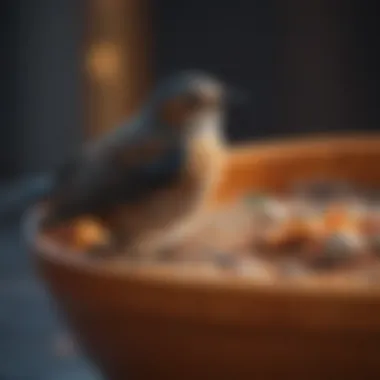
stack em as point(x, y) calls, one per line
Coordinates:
point(265, 166)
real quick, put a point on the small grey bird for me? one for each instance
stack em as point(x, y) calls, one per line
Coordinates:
point(173, 142)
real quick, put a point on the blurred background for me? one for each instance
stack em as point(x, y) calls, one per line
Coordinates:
point(73, 69)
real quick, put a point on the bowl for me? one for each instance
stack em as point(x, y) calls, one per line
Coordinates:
point(155, 323)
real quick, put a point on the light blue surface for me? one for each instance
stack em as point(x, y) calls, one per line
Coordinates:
point(29, 328)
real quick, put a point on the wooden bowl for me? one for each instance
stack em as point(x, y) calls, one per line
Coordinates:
point(152, 323)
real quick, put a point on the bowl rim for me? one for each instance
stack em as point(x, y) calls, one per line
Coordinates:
point(163, 275)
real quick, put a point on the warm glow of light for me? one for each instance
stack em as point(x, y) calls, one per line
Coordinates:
point(104, 62)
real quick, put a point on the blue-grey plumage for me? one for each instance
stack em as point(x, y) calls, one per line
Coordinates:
point(149, 153)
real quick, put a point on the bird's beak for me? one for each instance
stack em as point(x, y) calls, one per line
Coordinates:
point(237, 96)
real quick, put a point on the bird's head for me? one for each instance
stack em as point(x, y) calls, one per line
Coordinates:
point(192, 103)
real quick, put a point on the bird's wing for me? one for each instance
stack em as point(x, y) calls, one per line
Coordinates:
point(99, 159)
point(123, 174)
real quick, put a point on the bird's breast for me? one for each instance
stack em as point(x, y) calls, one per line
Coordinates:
point(182, 182)
point(156, 212)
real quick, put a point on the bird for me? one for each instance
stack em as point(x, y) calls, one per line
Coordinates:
point(162, 164)
point(171, 214)
point(167, 215)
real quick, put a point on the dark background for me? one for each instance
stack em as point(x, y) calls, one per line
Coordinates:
point(310, 66)
point(41, 91)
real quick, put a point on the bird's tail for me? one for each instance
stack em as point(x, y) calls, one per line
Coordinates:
point(17, 196)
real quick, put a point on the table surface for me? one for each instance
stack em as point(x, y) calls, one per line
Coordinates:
point(34, 343)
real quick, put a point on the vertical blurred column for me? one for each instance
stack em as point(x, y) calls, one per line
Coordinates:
point(364, 46)
point(9, 22)
point(317, 88)
point(117, 61)
point(46, 39)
